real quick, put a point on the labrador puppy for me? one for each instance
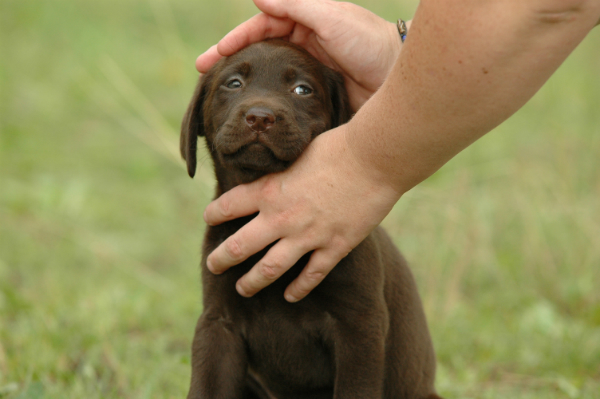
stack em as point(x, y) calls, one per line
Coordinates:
point(362, 332)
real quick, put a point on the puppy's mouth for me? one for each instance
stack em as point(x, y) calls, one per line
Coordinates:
point(255, 157)
point(259, 152)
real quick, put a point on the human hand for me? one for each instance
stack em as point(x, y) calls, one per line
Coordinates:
point(326, 202)
point(345, 37)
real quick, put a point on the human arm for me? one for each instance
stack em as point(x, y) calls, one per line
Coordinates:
point(460, 74)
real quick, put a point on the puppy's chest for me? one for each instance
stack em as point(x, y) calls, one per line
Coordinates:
point(288, 346)
point(286, 342)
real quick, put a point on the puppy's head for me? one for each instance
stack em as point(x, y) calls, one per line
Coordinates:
point(259, 108)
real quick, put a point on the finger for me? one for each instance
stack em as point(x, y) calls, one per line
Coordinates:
point(301, 35)
point(278, 19)
point(320, 264)
point(306, 38)
point(311, 13)
point(272, 266)
point(207, 59)
point(237, 202)
point(256, 29)
point(247, 241)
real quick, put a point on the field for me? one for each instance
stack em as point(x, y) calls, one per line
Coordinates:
point(100, 225)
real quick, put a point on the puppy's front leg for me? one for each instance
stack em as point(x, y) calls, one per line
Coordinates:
point(219, 360)
point(359, 351)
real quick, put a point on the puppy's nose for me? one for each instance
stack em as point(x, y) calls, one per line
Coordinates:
point(260, 119)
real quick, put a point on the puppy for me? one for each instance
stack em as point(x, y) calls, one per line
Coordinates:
point(362, 332)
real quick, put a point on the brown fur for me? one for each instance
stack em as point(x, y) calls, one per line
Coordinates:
point(362, 332)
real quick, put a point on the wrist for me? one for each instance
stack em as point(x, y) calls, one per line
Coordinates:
point(393, 37)
point(362, 162)
point(400, 33)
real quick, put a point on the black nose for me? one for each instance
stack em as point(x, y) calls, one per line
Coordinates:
point(260, 119)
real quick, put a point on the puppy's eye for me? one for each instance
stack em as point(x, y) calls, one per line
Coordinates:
point(302, 90)
point(233, 84)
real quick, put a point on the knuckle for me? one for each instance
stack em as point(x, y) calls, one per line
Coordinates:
point(270, 189)
point(315, 275)
point(340, 245)
point(224, 206)
point(301, 290)
point(346, 6)
point(312, 238)
point(233, 248)
point(282, 220)
point(270, 270)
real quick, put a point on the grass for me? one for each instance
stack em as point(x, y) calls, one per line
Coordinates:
point(100, 225)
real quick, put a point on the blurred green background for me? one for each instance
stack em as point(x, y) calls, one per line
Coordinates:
point(100, 226)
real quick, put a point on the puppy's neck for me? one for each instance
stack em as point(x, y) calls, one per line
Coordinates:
point(228, 179)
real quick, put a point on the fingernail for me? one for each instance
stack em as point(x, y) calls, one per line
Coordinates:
point(204, 216)
point(290, 298)
point(209, 265)
point(241, 291)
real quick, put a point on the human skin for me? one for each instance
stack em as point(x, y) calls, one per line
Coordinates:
point(466, 66)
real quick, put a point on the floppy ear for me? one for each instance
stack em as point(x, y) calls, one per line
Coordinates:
point(192, 125)
point(341, 110)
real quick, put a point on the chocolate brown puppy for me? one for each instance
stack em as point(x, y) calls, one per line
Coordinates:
point(362, 332)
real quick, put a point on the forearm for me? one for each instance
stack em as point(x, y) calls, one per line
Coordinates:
point(459, 75)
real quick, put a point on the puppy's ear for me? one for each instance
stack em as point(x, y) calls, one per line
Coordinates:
point(341, 110)
point(192, 125)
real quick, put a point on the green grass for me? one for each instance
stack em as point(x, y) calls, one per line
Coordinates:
point(100, 226)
